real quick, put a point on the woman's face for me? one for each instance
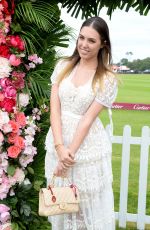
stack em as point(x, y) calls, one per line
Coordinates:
point(89, 43)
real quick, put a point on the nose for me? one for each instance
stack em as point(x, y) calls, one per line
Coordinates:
point(84, 44)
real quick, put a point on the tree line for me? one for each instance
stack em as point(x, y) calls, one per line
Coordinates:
point(136, 65)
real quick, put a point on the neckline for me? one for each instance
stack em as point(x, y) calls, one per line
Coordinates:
point(71, 76)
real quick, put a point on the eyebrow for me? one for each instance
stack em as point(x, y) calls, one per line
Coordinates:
point(94, 39)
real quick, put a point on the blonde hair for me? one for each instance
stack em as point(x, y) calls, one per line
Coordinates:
point(98, 77)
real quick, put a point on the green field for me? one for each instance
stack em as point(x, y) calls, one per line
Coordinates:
point(134, 89)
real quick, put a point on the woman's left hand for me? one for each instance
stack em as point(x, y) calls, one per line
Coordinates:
point(61, 170)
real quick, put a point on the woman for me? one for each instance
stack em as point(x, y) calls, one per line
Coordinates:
point(77, 143)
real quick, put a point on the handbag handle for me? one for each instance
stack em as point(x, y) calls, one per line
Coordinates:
point(54, 177)
point(71, 185)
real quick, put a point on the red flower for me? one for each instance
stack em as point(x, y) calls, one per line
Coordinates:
point(4, 51)
point(8, 104)
point(17, 79)
point(5, 5)
point(15, 41)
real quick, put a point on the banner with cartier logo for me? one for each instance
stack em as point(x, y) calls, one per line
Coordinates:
point(131, 106)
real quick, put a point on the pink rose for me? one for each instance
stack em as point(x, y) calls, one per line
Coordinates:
point(18, 74)
point(19, 141)
point(14, 125)
point(8, 104)
point(15, 61)
point(17, 79)
point(20, 118)
point(13, 151)
point(4, 217)
point(10, 91)
point(4, 82)
point(4, 208)
point(11, 138)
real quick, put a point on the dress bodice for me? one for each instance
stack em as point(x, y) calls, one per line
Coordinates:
point(78, 99)
point(75, 99)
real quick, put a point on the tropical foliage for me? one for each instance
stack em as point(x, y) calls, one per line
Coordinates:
point(30, 31)
point(90, 7)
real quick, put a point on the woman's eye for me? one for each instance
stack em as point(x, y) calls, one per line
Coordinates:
point(91, 41)
point(81, 38)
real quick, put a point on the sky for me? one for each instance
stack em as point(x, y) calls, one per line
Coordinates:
point(129, 32)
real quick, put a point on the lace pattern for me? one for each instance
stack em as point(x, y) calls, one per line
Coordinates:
point(92, 172)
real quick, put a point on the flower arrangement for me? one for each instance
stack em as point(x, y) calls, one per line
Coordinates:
point(18, 123)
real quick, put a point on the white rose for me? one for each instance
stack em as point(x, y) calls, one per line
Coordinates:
point(5, 68)
point(4, 118)
point(23, 99)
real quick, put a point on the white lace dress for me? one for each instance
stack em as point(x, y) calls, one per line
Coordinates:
point(92, 172)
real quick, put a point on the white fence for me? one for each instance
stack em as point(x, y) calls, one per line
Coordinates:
point(127, 140)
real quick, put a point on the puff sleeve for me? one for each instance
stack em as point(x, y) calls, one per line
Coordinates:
point(59, 66)
point(108, 95)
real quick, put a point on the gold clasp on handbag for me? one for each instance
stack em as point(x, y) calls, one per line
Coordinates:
point(63, 206)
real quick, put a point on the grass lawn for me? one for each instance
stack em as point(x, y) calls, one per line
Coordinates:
point(134, 89)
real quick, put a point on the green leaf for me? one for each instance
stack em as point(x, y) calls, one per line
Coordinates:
point(40, 13)
point(13, 201)
point(37, 185)
point(16, 27)
point(15, 226)
point(15, 213)
point(25, 209)
point(30, 170)
point(11, 170)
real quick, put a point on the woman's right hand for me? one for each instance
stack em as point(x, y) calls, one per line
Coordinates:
point(65, 156)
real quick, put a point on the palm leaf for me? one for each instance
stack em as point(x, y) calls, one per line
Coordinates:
point(92, 8)
point(39, 88)
point(40, 13)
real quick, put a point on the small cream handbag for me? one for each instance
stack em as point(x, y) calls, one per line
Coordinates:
point(58, 200)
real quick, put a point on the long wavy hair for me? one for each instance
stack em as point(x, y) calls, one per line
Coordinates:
point(104, 55)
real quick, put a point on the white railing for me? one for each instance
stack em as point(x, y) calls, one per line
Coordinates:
point(127, 140)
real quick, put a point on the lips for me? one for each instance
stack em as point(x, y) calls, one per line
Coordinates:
point(83, 50)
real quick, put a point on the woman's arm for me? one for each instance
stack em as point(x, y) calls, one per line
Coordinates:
point(84, 125)
point(55, 115)
point(64, 153)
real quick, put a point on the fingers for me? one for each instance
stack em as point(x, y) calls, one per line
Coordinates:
point(65, 165)
point(60, 171)
point(68, 160)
